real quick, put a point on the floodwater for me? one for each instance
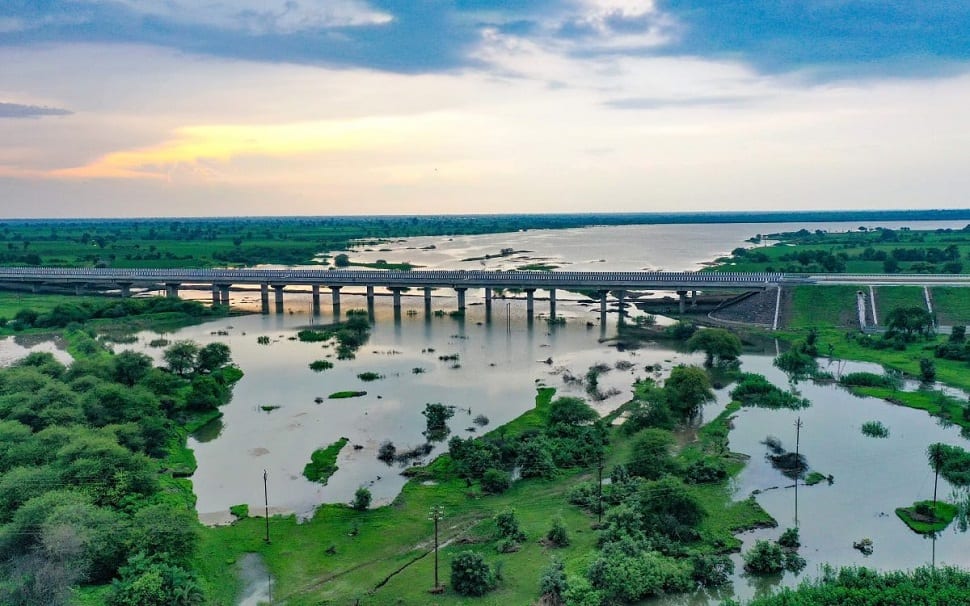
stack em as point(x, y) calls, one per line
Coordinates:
point(502, 359)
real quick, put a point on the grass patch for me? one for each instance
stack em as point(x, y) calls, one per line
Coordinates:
point(889, 298)
point(538, 267)
point(369, 376)
point(833, 306)
point(323, 462)
point(340, 395)
point(875, 429)
point(240, 511)
point(951, 305)
point(814, 478)
point(923, 518)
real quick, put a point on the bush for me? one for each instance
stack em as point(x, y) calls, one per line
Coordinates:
point(552, 582)
point(651, 454)
point(386, 451)
point(495, 481)
point(704, 471)
point(362, 499)
point(764, 558)
point(790, 539)
point(471, 575)
point(508, 526)
point(710, 570)
point(558, 535)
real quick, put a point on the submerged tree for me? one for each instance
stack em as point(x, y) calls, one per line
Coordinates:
point(720, 346)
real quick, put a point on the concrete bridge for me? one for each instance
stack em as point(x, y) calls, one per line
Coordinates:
point(220, 281)
point(598, 284)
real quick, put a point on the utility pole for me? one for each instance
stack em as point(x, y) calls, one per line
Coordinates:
point(798, 433)
point(266, 502)
point(436, 514)
point(599, 488)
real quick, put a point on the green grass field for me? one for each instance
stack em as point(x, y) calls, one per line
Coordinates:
point(951, 305)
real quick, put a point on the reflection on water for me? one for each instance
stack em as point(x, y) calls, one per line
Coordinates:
point(208, 432)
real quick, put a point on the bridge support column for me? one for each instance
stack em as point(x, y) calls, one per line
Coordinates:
point(172, 289)
point(530, 302)
point(264, 298)
point(79, 289)
point(315, 298)
point(427, 300)
point(124, 287)
point(488, 301)
point(461, 298)
point(370, 296)
point(602, 295)
point(693, 298)
point(620, 298)
point(396, 298)
point(224, 294)
point(335, 300)
point(278, 297)
point(552, 303)
point(215, 295)
point(683, 300)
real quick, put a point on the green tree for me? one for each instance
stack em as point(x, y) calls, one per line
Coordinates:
point(719, 345)
point(687, 390)
point(167, 532)
point(552, 583)
point(341, 260)
point(909, 321)
point(937, 456)
point(651, 456)
point(131, 367)
point(362, 499)
point(927, 370)
point(146, 581)
point(558, 535)
point(471, 575)
point(180, 357)
point(212, 357)
point(571, 411)
point(494, 481)
point(436, 419)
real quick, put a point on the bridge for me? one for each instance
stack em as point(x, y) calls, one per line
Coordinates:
point(599, 284)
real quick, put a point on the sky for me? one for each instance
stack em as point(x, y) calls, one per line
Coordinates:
point(113, 108)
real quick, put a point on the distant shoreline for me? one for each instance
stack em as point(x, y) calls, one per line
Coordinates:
point(562, 220)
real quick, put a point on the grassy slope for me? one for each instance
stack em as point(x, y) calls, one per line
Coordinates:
point(889, 298)
point(823, 306)
point(390, 538)
point(951, 305)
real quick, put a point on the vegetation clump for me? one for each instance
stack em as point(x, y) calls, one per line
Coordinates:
point(321, 365)
point(471, 575)
point(875, 429)
point(340, 395)
point(323, 462)
point(755, 390)
point(369, 376)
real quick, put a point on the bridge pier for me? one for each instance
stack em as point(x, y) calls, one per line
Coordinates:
point(552, 303)
point(315, 298)
point(278, 297)
point(264, 298)
point(370, 297)
point(488, 301)
point(216, 299)
point(335, 300)
point(602, 295)
point(683, 300)
point(79, 289)
point(427, 300)
point(693, 298)
point(124, 287)
point(461, 298)
point(396, 297)
point(224, 294)
point(620, 298)
point(530, 303)
point(172, 289)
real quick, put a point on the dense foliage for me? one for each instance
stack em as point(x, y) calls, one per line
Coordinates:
point(83, 493)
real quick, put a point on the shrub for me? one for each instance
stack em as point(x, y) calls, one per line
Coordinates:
point(321, 365)
point(471, 575)
point(386, 451)
point(764, 558)
point(508, 526)
point(495, 481)
point(362, 499)
point(557, 534)
point(790, 538)
point(552, 582)
point(710, 570)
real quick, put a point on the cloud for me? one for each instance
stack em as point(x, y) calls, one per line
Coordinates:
point(16, 110)
point(648, 103)
point(263, 16)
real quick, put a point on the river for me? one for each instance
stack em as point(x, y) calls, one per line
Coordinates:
point(499, 365)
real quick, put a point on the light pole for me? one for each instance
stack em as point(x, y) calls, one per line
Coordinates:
point(266, 502)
